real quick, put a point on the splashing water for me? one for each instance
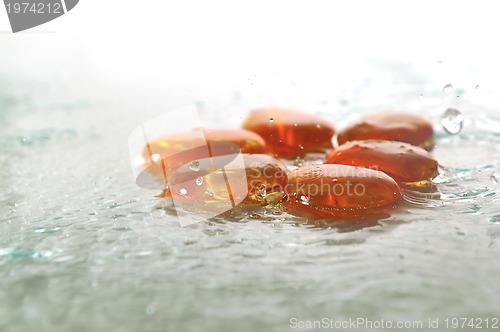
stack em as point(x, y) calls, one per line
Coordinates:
point(452, 121)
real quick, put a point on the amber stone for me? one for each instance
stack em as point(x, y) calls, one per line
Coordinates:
point(323, 191)
point(290, 133)
point(260, 179)
point(402, 161)
point(167, 153)
point(390, 126)
point(248, 141)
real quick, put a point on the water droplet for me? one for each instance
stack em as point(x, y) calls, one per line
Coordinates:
point(271, 120)
point(277, 213)
point(458, 97)
point(318, 126)
point(494, 179)
point(194, 166)
point(150, 310)
point(304, 200)
point(421, 95)
point(477, 87)
point(199, 180)
point(295, 125)
point(262, 191)
point(448, 88)
point(452, 121)
point(301, 147)
point(183, 191)
point(495, 219)
point(298, 162)
point(209, 193)
point(155, 157)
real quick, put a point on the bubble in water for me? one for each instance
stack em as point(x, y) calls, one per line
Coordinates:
point(183, 191)
point(494, 179)
point(199, 180)
point(448, 88)
point(209, 193)
point(495, 219)
point(271, 120)
point(194, 166)
point(452, 121)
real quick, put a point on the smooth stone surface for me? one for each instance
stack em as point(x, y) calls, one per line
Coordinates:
point(322, 191)
point(402, 161)
point(390, 126)
point(290, 133)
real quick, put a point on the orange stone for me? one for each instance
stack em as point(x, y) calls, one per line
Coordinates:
point(164, 154)
point(390, 126)
point(326, 191)
point(290, 133)
point(261, 179)
point(401, 161)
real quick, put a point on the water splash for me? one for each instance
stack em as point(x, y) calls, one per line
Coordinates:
point(452, 121)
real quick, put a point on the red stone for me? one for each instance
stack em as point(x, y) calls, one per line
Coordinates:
point(390, 126)
point(290, 133)
point(325, 191)
point(402, 161)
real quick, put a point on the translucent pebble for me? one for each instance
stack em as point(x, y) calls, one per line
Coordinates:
point(325, 191)
point(390, 126)
point(448, 88)
point(452, 121)
point(402, 161)
point(289, 133)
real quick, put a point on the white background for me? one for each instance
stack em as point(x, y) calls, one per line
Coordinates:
point(208, 44)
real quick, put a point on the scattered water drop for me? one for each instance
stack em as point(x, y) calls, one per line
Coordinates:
point(421, 95)
point(150, 310)
point(458, 97)
point(495, 219)
point(448, 88)
point(183, 191)
point(298, 162)
point(262, 191)
point(271, 120)
point(155, 157)
point(304, 200)
point(301, 147)
point(318, 126)
point(452, 121)
point(477, 87)
point(494, 179)
point(209, 193)
point(199, 180)
point(194, 166)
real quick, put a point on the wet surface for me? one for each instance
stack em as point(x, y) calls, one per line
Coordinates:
point(83, 248)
